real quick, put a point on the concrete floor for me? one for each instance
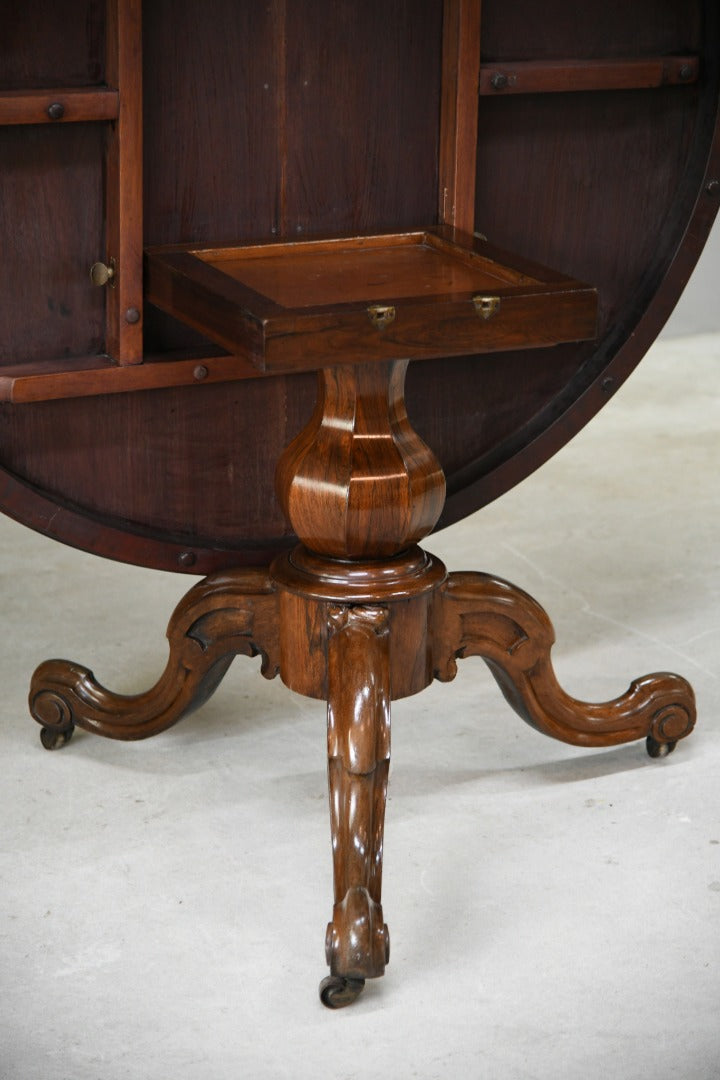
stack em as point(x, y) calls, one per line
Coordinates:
point(554, 912)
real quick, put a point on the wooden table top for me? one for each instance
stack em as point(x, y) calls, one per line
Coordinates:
point(597, 156)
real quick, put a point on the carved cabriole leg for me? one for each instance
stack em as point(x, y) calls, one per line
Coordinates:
point(357, 635)
point(357, 943)
point(225, 615)
point(478, 615)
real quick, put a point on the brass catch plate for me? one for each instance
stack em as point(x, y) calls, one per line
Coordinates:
point(486, 306)
point(381, 315)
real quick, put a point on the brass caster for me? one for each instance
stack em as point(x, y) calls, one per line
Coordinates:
point(336, 991)
point(54, 738)
point(659, 749)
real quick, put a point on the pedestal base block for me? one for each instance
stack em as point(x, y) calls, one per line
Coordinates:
point(310, 588)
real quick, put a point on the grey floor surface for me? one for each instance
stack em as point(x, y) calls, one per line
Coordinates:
point(554, 912)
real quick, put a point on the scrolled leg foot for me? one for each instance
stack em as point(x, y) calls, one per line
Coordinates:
point(221, 617)
point(357, 942)
point(484, 616)
point(53, 712)
point(670, 723)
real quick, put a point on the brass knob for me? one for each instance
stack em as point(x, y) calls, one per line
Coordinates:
point(102, 274)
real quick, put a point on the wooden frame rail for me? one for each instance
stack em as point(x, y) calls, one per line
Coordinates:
point(124, 328)
point(459, 113)
point(562, 76)
point(90, 376)
point(63, 105)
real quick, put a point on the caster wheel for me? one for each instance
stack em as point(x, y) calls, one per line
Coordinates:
point(659, 749)
point(54, 739)
point(336, 992)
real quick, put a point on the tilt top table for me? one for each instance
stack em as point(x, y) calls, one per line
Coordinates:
point(285, 287)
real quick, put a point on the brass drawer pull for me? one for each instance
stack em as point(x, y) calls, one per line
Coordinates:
point(486, 306)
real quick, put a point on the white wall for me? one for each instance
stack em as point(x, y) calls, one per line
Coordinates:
point(698, 310)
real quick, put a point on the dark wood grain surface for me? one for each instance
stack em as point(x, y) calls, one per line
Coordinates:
point(51, 225)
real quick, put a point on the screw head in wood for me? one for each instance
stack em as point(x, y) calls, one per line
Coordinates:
point(56, 111)
point(200, 372)
point(132, 315)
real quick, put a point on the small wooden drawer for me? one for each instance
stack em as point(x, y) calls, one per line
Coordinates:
point(430, 293)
